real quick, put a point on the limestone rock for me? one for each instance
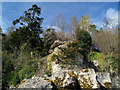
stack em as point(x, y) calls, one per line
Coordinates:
point(86, 78)
point(60, 77)
point(58, 43)
point(96, 63)
point(104, 79)
point(37, 82)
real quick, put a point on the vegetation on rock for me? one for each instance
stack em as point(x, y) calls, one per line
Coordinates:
point(26, 50)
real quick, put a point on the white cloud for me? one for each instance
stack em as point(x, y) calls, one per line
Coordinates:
point(99, 24)
point(112, 14)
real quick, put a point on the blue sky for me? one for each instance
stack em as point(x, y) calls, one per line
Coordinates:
point(50, 10)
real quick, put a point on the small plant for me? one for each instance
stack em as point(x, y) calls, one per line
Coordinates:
point(96, 56)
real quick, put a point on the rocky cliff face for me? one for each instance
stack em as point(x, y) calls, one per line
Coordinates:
point(75, 79)
point(64, 78)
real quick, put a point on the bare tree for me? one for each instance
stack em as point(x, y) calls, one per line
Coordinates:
point(84, 22)
point(60, 22)
point(106, 40)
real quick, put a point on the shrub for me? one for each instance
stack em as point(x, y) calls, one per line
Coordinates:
point(49, 37)
point(96, 56)
point(69, 54)
point(106, 63)
point(84, 40)
point(112, 62)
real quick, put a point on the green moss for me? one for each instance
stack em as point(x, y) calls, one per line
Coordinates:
point(52, 57)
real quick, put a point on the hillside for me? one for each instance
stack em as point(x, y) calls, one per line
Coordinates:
point(75, 55)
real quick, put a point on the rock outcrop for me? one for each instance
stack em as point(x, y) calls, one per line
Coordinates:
point(36, 82)
point(104, 79)
point(62, 78)
point(77, 79)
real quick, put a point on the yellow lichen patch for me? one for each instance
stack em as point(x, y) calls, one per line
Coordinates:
point(17, 86)
point(43, 80)
point(38, 65)
point(49, 80)
point(84, 83)
point(72, 74)
point(108, 84)
point(46, 79)
point(49, 58)
point(81, 76)
point(22, 82)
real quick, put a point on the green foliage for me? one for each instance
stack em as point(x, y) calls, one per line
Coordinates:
point(112, 62)
point(31, 20)
point(7, 69)
point(84, 39)
point(106, 62)
point(49, 72)
point(16, 79)
point(40, 52)
point(72, 50)
point(49, 37)
point(68, 54)
point(29, 32)
point(18, 64)
point(96, 56)
point(84, 22)
point(85, 42)
point(25, 71)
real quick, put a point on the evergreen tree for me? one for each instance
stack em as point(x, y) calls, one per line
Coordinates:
point(31, 20)
point(85, 41)
point(49, 37)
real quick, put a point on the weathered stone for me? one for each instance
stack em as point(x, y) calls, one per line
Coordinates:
point(60, 77)
point(66, 78)
point(96, 63)
point(104, 79)
point(58, 43)
point(36, 82)
point(86, 78)
point(69, 75)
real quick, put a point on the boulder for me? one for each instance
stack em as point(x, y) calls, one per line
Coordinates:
point(104, 79)
point(86, 78)
point(60, 76)
point(61, 79)
point(36, 82)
